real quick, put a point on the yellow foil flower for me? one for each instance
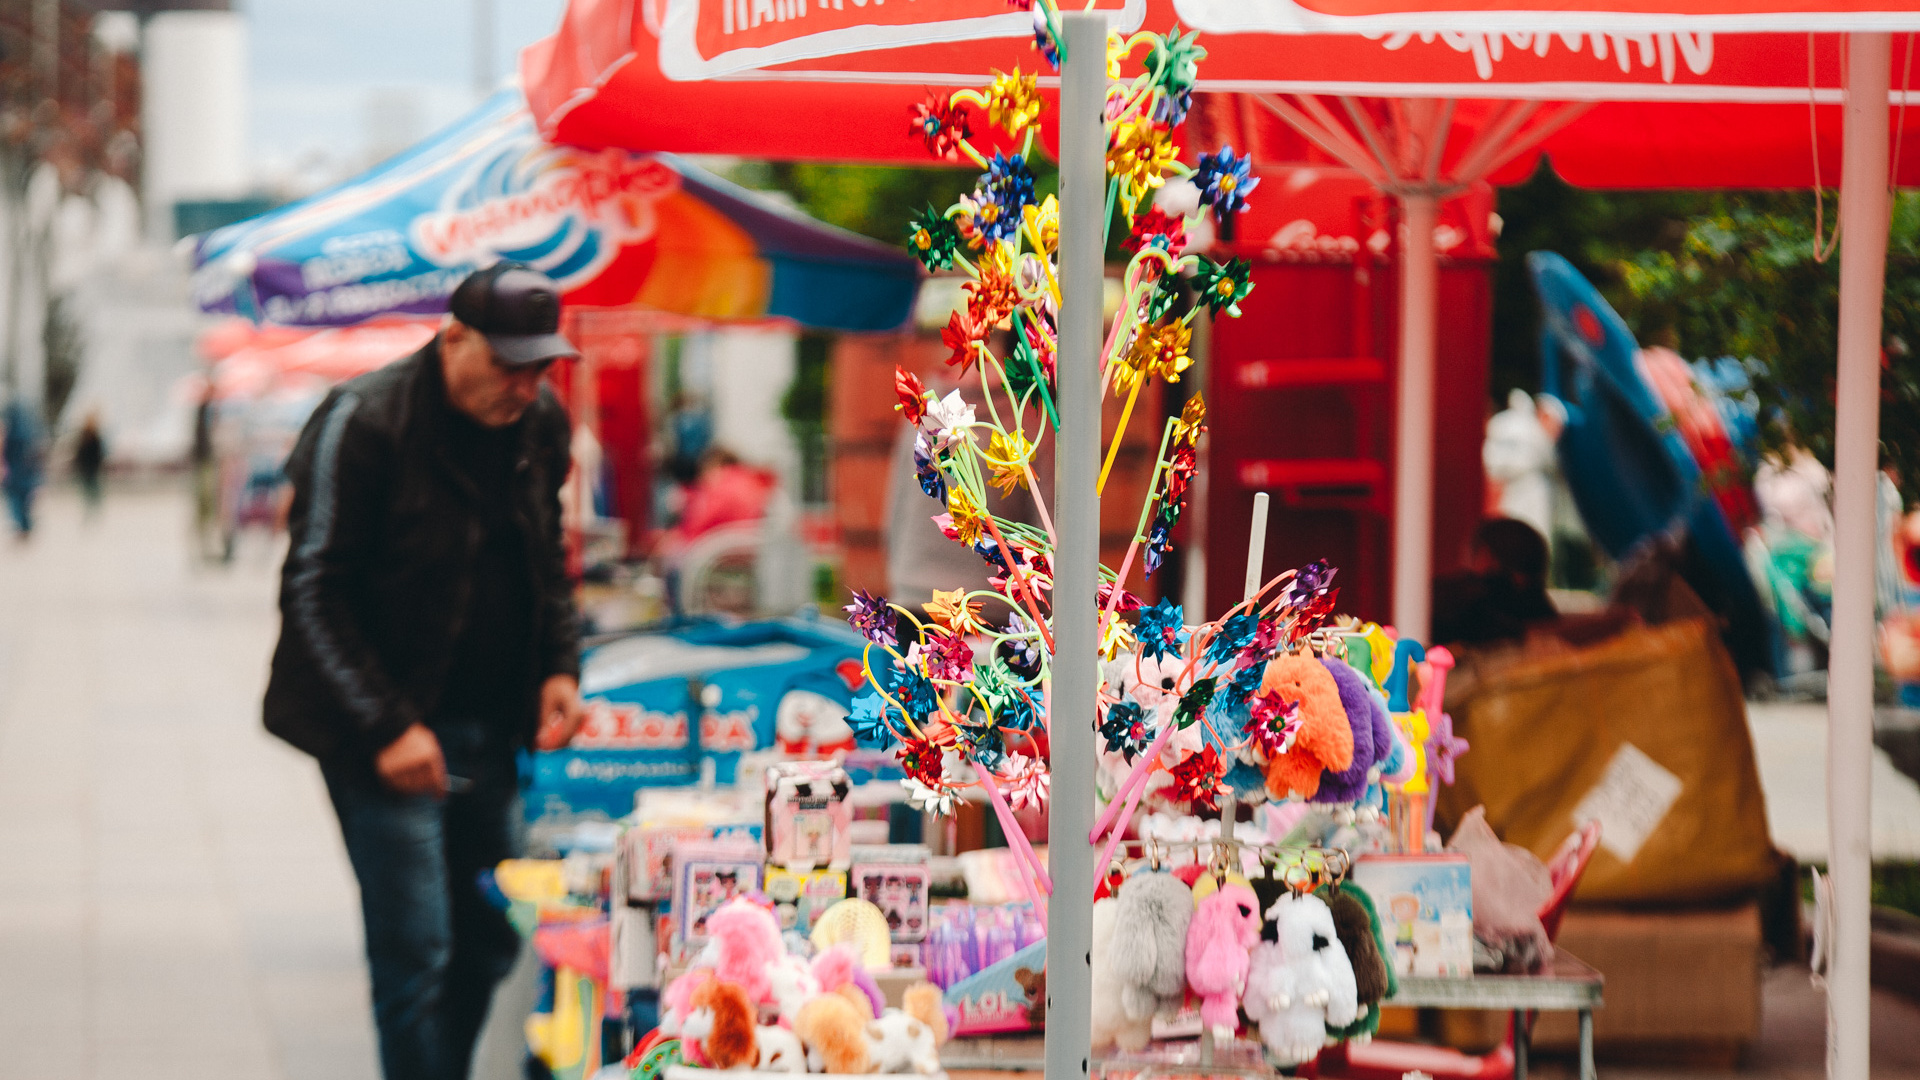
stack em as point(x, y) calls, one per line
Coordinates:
point(967, 518)
point(953, 611)
point(1140, 155)
point(1116, 638)
point(1161, 349)
point(1192, 422)
point(1007, 455)
point(1013, 100)
point(1043, 225)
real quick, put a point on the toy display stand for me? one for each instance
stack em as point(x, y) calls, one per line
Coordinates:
point(696, 1073)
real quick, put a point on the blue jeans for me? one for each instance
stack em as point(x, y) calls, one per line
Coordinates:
point(435, 947)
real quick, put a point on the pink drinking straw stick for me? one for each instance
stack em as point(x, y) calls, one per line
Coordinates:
point(1120, 826)
point(1137, 778)
point(1033, 880)
point(1016, 837)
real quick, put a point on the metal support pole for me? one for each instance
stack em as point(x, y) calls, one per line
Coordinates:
point(1076, 515)
point(1413, 448)
point(1864, 208)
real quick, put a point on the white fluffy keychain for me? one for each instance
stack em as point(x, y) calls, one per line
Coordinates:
point(1302, 983)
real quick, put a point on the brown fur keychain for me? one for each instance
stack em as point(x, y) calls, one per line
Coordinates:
point(1324, 740)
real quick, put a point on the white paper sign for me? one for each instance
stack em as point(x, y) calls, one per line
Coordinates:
point(1629, 800)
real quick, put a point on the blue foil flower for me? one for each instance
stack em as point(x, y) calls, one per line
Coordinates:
point(1006, 188)
point(1161, 629)
point(1125, 729)
point(931, 480)
point(868, 719)
point(1235, 634)
point(1225, 180)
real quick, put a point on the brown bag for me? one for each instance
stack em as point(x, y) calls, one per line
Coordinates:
point(1646, 731)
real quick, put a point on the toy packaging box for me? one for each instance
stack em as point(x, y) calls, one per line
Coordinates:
point(1009, 996)
point(800, 896)
point(705, 876)
point(1426, 908)
point(809, 819)
point(896, 879)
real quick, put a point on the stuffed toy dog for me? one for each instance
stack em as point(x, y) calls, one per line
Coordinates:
point(743, 944)
point(1149, 960)
point(922, 1001)
point(721, 1021)
point(835, 1035)
point(898, 1043)
point(780, 1051)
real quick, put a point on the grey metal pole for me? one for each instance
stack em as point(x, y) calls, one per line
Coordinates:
point(1864, 207)
point(485, 81)
point(1076, 515)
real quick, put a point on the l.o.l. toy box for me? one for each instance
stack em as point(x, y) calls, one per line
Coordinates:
point(1426, 908)
point(1008, 996)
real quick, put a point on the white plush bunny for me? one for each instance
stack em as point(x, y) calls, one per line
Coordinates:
point(1301, 984)
point(1111, 1024)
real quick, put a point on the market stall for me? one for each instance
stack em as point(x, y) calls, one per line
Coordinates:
point(701, 32)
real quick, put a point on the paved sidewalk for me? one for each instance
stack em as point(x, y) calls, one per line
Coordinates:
point(174, 899)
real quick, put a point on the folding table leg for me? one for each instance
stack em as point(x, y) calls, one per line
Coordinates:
point(1520, 1039)
point(1587, 1071)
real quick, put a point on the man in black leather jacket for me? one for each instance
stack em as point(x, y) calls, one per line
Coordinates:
point(428, 633)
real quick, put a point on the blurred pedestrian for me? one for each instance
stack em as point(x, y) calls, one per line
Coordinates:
point(210, 538)
point(89, 461)
point(428, 634)
point(23, 455)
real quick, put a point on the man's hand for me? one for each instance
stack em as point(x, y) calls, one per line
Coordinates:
point(412, 764)
point(560, 712)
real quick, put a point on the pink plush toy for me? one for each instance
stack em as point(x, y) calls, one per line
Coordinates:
point(675, 1000)
point(744, 940)
point(1225, 926)
point(841, 966)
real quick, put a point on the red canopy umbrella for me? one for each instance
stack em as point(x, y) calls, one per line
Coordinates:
point(1421, 96)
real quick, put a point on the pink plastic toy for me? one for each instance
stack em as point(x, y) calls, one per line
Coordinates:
point(745, 941)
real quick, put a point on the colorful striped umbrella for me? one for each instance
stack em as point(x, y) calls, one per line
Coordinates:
point(615, 228)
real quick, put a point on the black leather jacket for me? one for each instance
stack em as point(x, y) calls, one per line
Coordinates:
point(384, 532)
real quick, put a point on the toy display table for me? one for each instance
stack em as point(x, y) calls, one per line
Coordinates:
point(1569, 985)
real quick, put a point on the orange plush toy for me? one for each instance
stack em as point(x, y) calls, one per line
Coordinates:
point(1324, 740)
point(722, 1022)
point(835, 1034)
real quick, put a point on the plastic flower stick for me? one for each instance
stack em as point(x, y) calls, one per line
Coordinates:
point(1016, 837)
point(1146, 511)
point(1039, 373)
point(1113, 448)
point(1020, 579)
point(1133, 800)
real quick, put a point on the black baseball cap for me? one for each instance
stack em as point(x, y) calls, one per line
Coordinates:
point(517, 310)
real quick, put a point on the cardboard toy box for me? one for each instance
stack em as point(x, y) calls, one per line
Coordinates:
point(1426, 904)
point(1678, 981)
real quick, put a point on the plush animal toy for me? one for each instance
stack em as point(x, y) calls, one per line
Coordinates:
point(721, 1021)
point(743, 943)
point(1302, 984)
point(1324, 740)
point(1367, 950)
point(1035, 985)
point(897, 1043)
point(1356, 701)
point(1225, 926)
point(922, 1001)
point(780, 1051)
point(674, 1001)
point(835, 1035)
point(1111, 1024)
point(1149, 960)
point(791, 984)
point(839, 970)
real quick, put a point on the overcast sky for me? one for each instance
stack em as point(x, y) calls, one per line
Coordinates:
point(337, 84)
